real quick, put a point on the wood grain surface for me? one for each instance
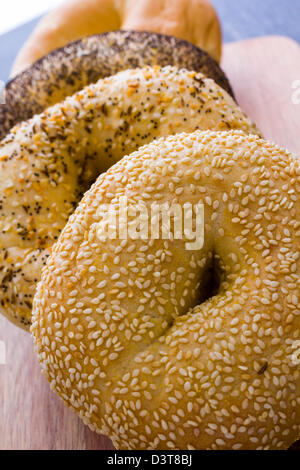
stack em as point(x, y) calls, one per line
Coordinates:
point(262, 72)
point(31, 416)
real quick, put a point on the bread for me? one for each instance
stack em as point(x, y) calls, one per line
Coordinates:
point(193, 20)
point(124, 327)
point(49, 161)
point(67, 70)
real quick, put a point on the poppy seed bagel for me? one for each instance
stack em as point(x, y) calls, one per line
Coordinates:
point(118, 326)
point(195, 21)
point(69, 69)
point(48, 161)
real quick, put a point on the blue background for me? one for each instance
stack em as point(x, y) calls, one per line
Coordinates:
point(239, 18)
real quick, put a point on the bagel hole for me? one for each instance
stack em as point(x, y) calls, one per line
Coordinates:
point(211, 281)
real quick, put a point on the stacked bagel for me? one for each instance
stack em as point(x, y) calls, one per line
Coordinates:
point(50, 160)
point(157, 345)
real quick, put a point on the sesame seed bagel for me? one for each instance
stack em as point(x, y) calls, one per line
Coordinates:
point(49, 161)
point(118, 326)
point(67, 70)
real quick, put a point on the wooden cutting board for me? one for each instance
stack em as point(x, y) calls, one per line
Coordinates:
point(262, 72)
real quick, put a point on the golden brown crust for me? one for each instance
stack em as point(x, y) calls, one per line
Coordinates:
point(117, 324)
point(67, 70)
point(48, 161)
point(193, 20)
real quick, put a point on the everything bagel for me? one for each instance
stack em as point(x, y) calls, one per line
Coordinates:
point(49, 161)
point(65, 71)
point(118, 327)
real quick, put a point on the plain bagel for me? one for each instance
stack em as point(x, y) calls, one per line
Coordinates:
point(64, 71)
point(49, 161)
point(118, 326)
point(193, 20)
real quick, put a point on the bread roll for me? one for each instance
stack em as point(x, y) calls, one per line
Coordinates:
point(193, 20)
